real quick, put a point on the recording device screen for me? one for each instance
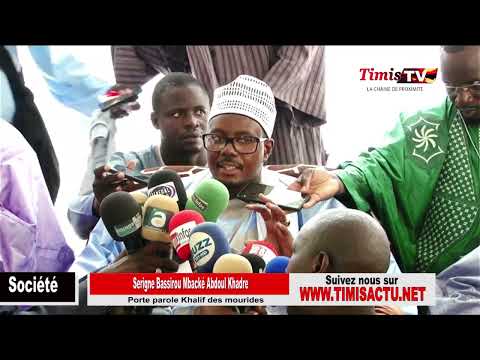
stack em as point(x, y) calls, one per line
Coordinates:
point(134, 175)
point(285, 199)
point(122, 99)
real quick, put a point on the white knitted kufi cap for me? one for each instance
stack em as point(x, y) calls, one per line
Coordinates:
point(249, 96)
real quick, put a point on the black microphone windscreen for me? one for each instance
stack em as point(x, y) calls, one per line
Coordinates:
point(258, 264)
point(168, 183)
point(122, 217)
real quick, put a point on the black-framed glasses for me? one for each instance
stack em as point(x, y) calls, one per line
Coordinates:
point(473, 88)
point(243, 144)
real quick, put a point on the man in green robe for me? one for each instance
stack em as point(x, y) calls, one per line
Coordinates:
point(424, 183)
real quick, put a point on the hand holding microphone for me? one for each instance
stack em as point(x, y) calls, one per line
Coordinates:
point(106, 182)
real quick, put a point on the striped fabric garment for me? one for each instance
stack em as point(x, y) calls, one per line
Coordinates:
point(296, 74)
point(135, 65)
point(296, 144)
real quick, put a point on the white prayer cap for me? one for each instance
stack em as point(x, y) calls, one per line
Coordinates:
point(248, 96)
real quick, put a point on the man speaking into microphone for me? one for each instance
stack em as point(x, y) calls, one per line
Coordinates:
point(238, 143)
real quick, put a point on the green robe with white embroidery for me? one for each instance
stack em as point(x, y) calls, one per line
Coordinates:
point(424, 187)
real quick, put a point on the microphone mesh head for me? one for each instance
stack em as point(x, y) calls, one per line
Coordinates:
point(258, 264)
point(168, 183)
point(232, 263)
point(277, 265)
point(209, 199)
point(122, 216)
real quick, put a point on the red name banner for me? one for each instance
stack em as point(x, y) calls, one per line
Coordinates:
point(189, 284)
point(187, 289)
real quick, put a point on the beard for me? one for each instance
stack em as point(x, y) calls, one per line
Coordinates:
point(471, 115)
point(473, 121)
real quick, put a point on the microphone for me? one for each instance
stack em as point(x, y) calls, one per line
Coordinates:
point(207, 242)
point(233, 264)
point(122, 217)
point(157, 212)
point(209, 199)
point(139, 197)
point(180, 227)
point(258, 264)
point(168, 183)
point(263, 249)
point(278, 265)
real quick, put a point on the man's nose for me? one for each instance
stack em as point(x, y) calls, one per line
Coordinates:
point(190, 120)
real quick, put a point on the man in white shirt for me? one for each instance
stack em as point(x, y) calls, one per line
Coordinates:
point(238, 143)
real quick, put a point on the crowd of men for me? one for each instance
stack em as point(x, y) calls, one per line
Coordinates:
point(411, 205)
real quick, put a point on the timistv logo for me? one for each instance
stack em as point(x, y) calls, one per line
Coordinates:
point(406, 76)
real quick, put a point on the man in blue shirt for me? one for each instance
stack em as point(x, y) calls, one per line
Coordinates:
point(458, 287)
point(180, 110)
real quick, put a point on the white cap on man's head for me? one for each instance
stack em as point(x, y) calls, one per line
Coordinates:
point(248, 96)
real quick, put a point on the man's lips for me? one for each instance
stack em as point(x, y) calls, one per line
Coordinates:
point(191, 137)
point(229, 165)
point(469, 113)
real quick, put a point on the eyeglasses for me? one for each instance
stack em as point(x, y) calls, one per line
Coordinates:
point(473, 88)
point(244, 144)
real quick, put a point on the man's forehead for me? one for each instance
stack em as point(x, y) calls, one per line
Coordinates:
point(234, 124)
point(183, 96)
point(461, 67)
